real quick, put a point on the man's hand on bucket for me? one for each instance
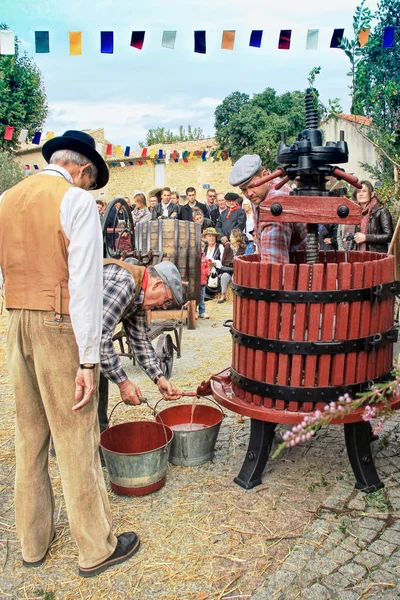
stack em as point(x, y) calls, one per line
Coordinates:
point(168, 389)
point(130, 393)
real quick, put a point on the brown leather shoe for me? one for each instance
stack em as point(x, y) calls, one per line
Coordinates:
point(127, 544)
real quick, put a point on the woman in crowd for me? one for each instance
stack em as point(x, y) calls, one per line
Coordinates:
point(235, 247)
point(249, 229)
point(198, 217)
point(140, 213)
point(376, 229)
point(213, 252)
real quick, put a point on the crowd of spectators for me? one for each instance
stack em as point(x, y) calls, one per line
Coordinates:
point(226, 230)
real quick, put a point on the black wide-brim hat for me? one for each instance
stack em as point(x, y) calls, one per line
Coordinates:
point(79, 141)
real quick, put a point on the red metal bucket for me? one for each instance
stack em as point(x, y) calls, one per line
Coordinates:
point(136, 456)
point(195, 432)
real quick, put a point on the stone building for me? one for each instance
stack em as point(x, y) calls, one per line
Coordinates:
point(360, 149)
point(150, 174)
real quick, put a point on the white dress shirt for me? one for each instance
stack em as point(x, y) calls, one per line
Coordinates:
point(79, 219)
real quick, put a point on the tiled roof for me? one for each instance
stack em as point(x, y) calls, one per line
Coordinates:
point(359, 119)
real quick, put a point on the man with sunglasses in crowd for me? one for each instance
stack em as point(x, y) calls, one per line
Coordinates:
point(128, 291)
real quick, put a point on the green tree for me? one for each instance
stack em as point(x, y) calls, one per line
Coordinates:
point(375, 89)
point(10, 171)
point(160, 135)
point(255, 125)
point(23, 103)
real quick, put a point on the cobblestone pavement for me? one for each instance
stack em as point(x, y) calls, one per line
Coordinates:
point(351, 551)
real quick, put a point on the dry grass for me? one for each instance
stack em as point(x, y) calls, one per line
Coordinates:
point(202, 536)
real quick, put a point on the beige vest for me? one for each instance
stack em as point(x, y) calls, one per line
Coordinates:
point(136, 272)
point(33, 245)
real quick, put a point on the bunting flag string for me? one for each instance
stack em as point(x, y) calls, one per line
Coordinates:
point(42, 40)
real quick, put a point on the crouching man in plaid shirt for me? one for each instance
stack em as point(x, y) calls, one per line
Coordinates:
point(274, 240)
point(128, 291)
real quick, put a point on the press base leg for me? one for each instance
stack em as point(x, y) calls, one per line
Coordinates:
point(261, 437)
point(358, 444)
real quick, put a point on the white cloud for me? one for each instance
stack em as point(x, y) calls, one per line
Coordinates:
point(128, 122)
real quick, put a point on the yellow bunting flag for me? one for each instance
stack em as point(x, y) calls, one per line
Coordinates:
point(149, 162)
point(75, 43)
point(118, 151)
point(191, 155)
point(219, 153)
point(228, 40)
point(49, 135)
point(152, 153)
point(363, 36)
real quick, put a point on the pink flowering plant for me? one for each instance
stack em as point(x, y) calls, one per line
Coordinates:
point(376, 403)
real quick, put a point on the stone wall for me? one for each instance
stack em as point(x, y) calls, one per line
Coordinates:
point(125, 180)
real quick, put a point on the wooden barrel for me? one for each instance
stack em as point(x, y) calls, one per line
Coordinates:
point(304, 335)
point(180, 241)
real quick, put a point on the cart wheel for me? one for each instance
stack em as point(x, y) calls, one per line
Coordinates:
point(118, 230)
point(165, 354)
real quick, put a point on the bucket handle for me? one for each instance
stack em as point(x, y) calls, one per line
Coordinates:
point(190, 394)
point(153, 410)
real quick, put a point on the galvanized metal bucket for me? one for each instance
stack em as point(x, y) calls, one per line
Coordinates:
point(195, 432)
point(136, 456)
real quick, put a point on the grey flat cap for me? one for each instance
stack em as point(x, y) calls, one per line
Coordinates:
point(172, 279)
point(244, 169)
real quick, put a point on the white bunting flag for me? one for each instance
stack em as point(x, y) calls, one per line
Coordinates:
point(23, 135)
point(7, 45)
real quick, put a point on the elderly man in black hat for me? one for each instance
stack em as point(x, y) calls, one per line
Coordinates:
point(51, 256)
point(233, 217)
point(130, 290)
point(274, 240)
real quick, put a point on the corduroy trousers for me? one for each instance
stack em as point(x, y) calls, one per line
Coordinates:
point(43, 360)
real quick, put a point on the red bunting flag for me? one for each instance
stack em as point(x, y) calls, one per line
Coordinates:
point(109, 150)
point(175, 155)
point(144, 152)
point(27, 167)
point(284, 39)
point(140, 162)
point(8, 133)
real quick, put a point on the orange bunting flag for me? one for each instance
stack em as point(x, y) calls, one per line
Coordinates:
point(75, 43)
point(363, 37)
point(228, 40)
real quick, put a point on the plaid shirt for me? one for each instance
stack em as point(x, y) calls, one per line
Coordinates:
point(276, 240)
point(118, 305)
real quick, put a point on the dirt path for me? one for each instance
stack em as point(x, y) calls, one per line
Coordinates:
point(202, 536)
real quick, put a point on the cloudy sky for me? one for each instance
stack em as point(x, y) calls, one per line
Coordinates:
point(132, 91)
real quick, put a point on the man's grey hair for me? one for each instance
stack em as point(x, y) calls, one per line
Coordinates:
point(69, 156)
